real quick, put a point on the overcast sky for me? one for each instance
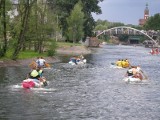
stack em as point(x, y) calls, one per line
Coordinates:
point(126, 11)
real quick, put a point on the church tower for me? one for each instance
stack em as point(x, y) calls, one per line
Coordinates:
point(146, 12)
point(146, 16)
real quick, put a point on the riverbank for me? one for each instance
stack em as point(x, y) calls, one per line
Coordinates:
point(65, 50)
point(73, 50)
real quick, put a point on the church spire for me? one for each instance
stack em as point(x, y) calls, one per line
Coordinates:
point(146, 12)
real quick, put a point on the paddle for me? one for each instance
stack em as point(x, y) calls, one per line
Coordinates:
point(112, 63)
point(47, 65)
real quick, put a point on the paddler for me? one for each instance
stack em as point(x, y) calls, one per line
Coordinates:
point(119, 63)
point(35, 75)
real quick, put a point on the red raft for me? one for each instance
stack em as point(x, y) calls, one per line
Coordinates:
point(154, 51)
point(30, 83)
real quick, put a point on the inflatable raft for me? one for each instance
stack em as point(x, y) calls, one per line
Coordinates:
point(33, 83)
point(115, 66)
point(78, 63)
point(132, 79)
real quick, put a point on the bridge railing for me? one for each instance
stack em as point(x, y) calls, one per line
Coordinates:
point(129, 30)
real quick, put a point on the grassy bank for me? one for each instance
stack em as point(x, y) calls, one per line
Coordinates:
point(23, 55)
point(66, 44)
point(32, 54)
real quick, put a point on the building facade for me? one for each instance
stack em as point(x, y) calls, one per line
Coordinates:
point(146, 16)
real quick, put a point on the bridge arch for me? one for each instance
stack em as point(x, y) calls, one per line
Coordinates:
point(129, 28)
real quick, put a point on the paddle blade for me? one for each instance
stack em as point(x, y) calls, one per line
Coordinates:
point(47, 65)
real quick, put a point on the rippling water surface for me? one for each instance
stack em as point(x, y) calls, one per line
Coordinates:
point(92, 92)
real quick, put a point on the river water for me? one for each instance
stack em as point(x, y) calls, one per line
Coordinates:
point(92, 92)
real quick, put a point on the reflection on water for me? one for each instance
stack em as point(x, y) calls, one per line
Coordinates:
point(91, 92)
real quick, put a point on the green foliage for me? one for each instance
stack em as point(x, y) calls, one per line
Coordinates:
point(50, 52)
point(23, 55)
point(135, 26)
point(104, 24)
point(30, 54)
point(123, 38)
point(64, 7)
point(75, 24)
point(64, 44)
point(101, 25)
point(115, 24)
point(89, 7)
point(5, 6)
point(40, 26)
point(153, 23)
point(39, 20)
point(52, 48)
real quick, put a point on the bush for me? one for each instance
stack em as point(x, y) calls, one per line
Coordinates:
point(52, 48)
point(51, 52)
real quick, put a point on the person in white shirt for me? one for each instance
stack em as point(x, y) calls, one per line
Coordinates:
point(41, 62)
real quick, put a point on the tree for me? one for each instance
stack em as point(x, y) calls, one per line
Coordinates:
point(115, 24)
point(4, 7)
point(89, 7)
point(33, 26)
point(75, 23)
point(64, 7)
point(101, 25)
point(24, 23)
point(153, 23)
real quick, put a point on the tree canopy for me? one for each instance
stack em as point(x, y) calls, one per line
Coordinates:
point(75, 23)
point(36, 24)
point(63, 9)
point(153, 23)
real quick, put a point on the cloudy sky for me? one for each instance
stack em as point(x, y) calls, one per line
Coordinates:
point(126, 11)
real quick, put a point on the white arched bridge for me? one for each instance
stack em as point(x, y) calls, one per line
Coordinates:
point(126, 30)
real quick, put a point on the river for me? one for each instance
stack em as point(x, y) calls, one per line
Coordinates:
point(92, 92)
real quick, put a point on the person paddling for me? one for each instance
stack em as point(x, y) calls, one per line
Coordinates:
point(152, 51)
point(35, 75)
point(140, 71)
point(156, 51)
point(40, 73)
